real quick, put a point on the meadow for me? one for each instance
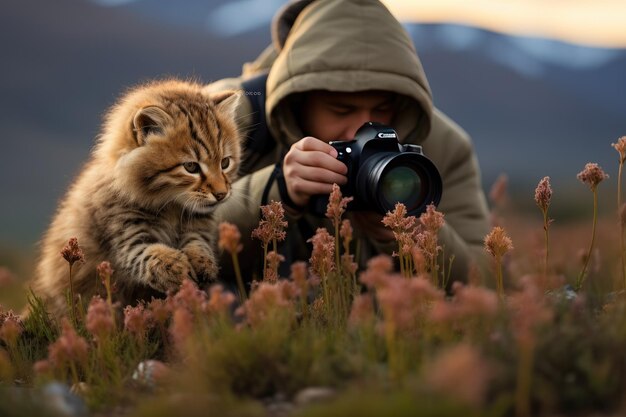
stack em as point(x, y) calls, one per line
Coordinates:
point(539, 330)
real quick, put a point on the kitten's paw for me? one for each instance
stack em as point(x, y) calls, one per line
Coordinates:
point(166, 268)
point(202, 261)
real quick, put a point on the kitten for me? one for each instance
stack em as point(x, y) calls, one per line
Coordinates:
point(167, 155)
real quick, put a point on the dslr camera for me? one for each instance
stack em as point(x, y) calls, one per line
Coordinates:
point(383, 172)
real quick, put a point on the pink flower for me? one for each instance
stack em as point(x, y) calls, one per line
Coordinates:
point(68, 348)
point(398, 221)
point(11, 328)
point(336, 205)
point(269, 300)
point(272, 226)
point(362, 311)
point(219, 300)
point(229, 238)
point(72, 253)
point(620, 147)
point(99, 321)
point(431, 219)
point(497, 243)
point(136, 321)
point(460, 373)
point(323, 252)
point(181, 328)
point(592, 175)
point(543, 193)
point(378, 273)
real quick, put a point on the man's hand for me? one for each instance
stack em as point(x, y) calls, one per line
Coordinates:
point(311, 167)
point(370, 223)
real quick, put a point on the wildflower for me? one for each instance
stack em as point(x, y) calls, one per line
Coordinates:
point(498, 192)
point(497, 244)
point(431, 219)
point(11, 328)
point(159, 311)
point(181, 327)
point(620, 147)
point(68, 348)
point(347, 264)
point(219, 300)
point(346, 232)
point(336, 205)
point(322, 254)
point(397, 220)
point(271, 227)
point(299, 276)
point(99, 321)
point(461, 373)
point(592, 175)
point(273, 261)
point(543, 193)
point(268, 300)
point(189, 296)
point(105, 271)
point(405, 303)
point(379, 269)
point(135, 321)
point(362, 312)
point(42, 367)
point(6, 277)
point(230, 241)
point(230, 237)
point(72, 253)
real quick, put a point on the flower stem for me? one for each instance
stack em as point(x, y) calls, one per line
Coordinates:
point(581, 277)
point(242, 289)
point(621, 222)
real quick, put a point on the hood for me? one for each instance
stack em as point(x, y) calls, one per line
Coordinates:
point(344, 46)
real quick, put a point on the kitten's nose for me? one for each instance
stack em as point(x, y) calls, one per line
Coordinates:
point(219, 196)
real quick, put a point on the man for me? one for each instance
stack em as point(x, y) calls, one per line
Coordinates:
point(334, 65)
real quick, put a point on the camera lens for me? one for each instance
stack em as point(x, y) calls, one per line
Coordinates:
point(401, 184)
point(389, 178)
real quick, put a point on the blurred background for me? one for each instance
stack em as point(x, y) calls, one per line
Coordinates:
point(540, 86)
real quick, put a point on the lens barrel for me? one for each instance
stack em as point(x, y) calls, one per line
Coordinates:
point(388, 178)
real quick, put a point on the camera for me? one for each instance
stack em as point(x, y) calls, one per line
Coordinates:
point(383, 172)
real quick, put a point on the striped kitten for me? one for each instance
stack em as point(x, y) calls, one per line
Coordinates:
point(168, 154)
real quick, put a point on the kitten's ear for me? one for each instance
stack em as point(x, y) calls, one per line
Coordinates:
point(226, 101)
point(149, 120)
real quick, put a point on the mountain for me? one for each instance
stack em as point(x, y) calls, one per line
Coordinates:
point(534, 107)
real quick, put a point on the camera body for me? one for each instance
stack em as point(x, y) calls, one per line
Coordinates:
point(383, 172)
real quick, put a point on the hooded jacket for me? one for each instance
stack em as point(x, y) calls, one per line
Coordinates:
point(349, 46)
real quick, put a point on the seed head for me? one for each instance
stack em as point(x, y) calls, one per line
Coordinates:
point(229, 238)
point(336, 205)
point(273, 224)
point(431, 219)
point(323, 252)
point(72, 253)
point(497, 243)
point(99, 321)
point(135, 321)
point(592, 175)
point(69, 347)
point(543, 194)
point(398, 221)
point(620, 147)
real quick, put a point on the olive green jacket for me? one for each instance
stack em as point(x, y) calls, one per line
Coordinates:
point(347, 46)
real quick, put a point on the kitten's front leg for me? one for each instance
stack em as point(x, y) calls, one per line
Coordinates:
point(200, 255)
point(163, 267)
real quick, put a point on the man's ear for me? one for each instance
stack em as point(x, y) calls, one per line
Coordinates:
point(226, 101)
point(148, 121)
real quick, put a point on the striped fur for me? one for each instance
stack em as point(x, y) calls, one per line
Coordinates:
point(137, 205)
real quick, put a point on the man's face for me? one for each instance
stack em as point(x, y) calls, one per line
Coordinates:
point(330, 115)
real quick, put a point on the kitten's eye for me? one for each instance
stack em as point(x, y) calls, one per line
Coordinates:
point(192, 167)
point(225, 163)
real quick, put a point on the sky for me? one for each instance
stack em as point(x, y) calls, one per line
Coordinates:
point(599, 23)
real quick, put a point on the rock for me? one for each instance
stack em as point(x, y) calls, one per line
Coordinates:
point(312, 395)
point(150, 373)
point(58, 397)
